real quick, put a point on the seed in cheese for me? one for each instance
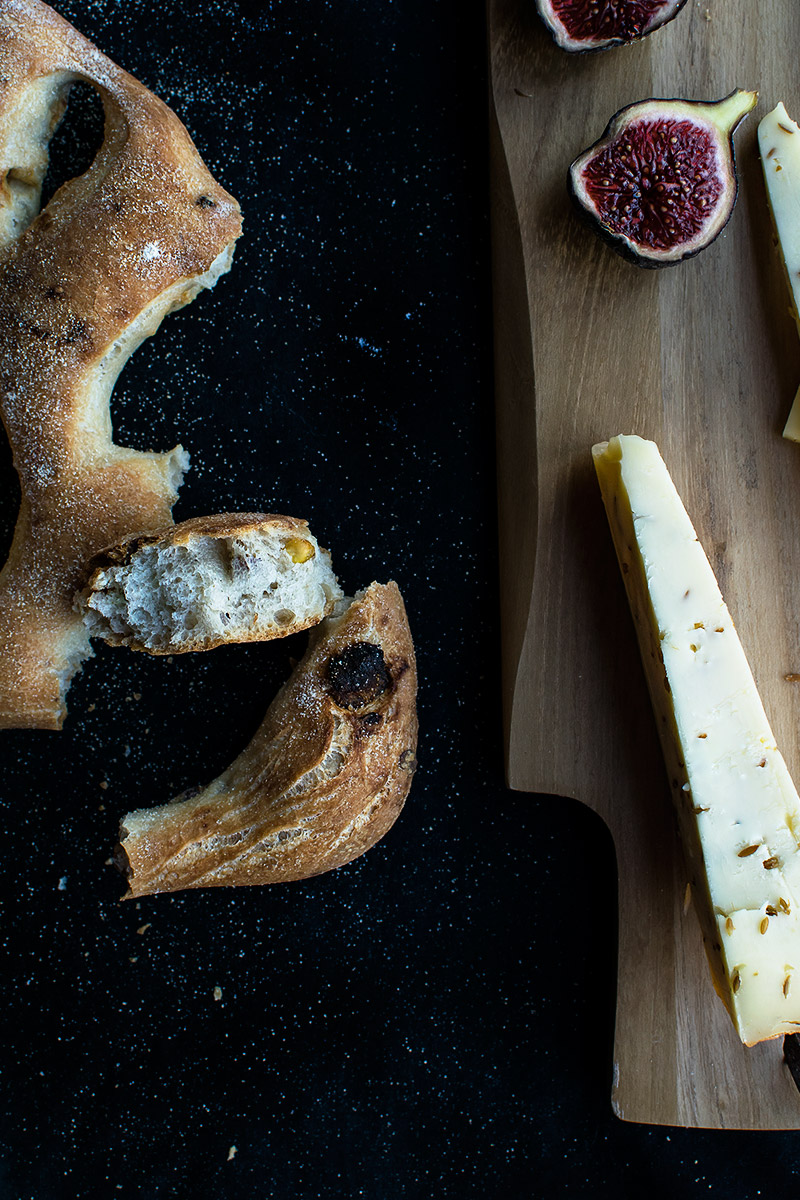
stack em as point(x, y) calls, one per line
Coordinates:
point(779, 147)
point(738, 810)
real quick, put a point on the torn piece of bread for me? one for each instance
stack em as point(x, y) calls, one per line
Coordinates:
point(139, 234)
point(324, 778)
point(234, 577)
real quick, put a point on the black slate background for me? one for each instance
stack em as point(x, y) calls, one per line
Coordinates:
point(436, 1019)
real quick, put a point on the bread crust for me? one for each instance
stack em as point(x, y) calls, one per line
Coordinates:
point(135, 236)
point(219, 525)
point(324, 778)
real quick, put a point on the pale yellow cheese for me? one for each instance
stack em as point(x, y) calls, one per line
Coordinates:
point(779, 147)
point(738, 809)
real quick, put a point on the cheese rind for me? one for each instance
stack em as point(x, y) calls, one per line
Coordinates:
point(779, 147)
point(738, 810)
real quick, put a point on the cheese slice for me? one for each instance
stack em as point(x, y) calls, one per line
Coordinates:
point(738, 810)
point(779, 147)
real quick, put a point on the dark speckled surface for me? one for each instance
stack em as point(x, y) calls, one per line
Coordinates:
point(434, 1020)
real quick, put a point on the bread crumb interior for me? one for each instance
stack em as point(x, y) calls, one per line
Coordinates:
point(212, 589)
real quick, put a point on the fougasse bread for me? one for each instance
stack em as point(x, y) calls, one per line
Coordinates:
point(139, 234)
point(231, 577)
point(324, 777)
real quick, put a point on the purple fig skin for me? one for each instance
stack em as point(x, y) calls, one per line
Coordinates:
point(616, 241)
point(607, 43)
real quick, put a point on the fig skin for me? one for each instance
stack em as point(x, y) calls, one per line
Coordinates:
point(730, 110)
point(565, 43)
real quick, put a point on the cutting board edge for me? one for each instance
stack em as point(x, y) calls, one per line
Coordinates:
point(514, 398)
point(688, 1105)
point(750, 1127)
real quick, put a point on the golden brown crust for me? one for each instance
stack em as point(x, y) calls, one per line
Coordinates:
point(323, 779)
point(114, 251)
point(218, 525)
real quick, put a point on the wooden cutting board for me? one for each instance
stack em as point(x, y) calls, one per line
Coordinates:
point(703, 358)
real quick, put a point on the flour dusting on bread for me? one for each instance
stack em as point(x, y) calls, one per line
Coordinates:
point(324, 778)
point(80, 287)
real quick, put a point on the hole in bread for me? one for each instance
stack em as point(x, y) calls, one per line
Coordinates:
point(49, 149)
point(77, 139)
point(139, 413)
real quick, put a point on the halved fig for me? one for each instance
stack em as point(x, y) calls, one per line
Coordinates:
point(660, 184)
point(582, 25)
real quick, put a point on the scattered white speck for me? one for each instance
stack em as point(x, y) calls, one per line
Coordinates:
point(363, 344)
point(150, 251)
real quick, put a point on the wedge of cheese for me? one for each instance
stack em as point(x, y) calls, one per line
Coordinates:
point(779, 147)
point(738, 810)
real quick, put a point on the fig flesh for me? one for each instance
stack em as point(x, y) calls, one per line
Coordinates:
point(582, 25)
point(660, 184)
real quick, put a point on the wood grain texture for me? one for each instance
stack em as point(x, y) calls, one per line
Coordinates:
point(703, 358)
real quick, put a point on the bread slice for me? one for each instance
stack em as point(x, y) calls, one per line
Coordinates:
point(234, 577)
point(82, 283)
point(324, 778)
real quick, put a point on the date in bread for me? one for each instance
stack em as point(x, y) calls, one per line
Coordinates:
point(234, 577)
point(82, 283)
point(323, 779)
